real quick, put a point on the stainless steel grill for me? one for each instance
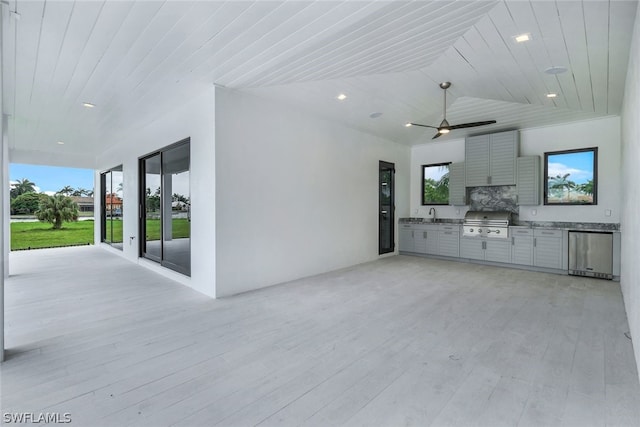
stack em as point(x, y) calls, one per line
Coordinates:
point(487, 224)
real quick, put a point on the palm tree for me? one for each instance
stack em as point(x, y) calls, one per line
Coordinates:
point(586, 188)
point(562, 183)
point(23, 186)
point(66, 190)
point(57, 209)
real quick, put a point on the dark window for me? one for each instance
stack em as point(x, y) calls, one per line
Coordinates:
point(435, 184)
point(571, 177)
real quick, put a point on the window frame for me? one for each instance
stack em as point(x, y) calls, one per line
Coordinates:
point(103, 206)
point(594, 201)
point(423, 202)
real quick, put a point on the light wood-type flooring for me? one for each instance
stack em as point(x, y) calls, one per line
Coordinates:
point(400, 341)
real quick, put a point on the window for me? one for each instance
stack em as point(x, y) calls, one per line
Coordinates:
point(166, 206)
point(571, 177)
point(112, 201)
point(435, 184)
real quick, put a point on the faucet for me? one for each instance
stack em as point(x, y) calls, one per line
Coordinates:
point(433, 211)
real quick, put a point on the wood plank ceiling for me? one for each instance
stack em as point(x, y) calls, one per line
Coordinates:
point(386, 56)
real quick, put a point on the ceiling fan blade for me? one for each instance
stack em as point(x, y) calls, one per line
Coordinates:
point(437, 135)
point(471, 125)
point(424, 126)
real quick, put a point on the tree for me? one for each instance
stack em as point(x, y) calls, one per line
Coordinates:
point(27, 203)
point(66, 190)
point(57, 209)
point(586, 188)
point(561, 183)
point(22, 186)
point(437, 191)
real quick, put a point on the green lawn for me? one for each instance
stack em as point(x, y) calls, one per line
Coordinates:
point(36, 235)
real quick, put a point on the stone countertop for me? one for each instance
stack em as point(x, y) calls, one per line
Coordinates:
point(582, 226)
point(429, 221)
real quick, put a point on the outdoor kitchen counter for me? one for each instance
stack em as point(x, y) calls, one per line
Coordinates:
point(583, 226)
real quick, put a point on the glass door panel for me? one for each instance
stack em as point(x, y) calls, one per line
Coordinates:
point(116, 205)
point(386, 207)
point(152, 225)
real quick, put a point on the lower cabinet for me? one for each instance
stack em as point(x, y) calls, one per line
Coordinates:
point(548, 248)
point(426, 239)
point(419, 238)
point(521, 245)
point(496, 250)
point(449, 240)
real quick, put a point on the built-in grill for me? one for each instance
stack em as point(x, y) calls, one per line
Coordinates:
point(487, 224)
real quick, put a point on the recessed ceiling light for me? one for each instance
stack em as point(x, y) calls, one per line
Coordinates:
point(552, 95)
point(556, 69)
point(375, 115)
point(88, 105)
point(342, 97)
point(408, 125)
point(60, 142)
point(522, 37)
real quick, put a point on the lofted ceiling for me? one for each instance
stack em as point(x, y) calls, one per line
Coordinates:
point(387, 57)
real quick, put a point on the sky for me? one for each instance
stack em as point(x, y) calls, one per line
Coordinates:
point(578, 165)
point(50, 179)
point(435, 172)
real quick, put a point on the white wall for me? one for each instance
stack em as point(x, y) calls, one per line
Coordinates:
point(630, 275)
point(602, 133)
point(295, 195)
point(194, 119)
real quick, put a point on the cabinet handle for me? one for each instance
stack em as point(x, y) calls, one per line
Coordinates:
point(424, 234)
point(547, 232)
point(489, 180)
point(412, 236)
point(513, 241)
point(448, 232)
point(534, 242)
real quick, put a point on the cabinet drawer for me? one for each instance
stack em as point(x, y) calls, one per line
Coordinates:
point(452, 228)
point(546, 232)
point(521, 231)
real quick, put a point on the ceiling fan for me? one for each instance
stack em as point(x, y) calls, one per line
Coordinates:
point(445, 127)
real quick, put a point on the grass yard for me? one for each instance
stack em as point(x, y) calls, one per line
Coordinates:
point(35, 235)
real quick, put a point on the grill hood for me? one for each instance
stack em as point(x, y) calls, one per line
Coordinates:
point(488, 217)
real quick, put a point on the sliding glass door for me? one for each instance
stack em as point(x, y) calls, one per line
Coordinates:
point(112, 204)
point(166, 207)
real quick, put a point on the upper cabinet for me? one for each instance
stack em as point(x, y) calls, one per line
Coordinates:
point(491, 159)
point(528, 180)
point(457, 190)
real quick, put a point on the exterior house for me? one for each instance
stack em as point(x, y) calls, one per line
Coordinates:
point(244, 117)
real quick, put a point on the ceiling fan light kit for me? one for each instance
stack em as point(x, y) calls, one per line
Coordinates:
point(445, 127)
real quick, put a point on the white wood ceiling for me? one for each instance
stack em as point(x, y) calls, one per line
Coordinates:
point(386, 56)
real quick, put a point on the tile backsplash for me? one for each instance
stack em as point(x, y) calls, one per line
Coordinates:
point(498, 198)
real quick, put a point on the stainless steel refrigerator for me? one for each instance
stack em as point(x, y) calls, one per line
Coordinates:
point(591, 254)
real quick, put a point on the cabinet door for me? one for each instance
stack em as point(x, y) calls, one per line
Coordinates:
point(498, 250)
point(547, 252)
point(471, 248)
point(406, 238)
point(503, 151)
point(432, 240)
point(528, 180)
point(449, 243)
point(476, 160)
point(522, 250)
point(457, 189)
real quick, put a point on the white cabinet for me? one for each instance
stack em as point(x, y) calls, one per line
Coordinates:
point(457, 188)
point(521, 245)
point(528, 181)
point(549, 248)
point(491, 159)
point(449, 240)
point(419, 238)
point(495, 250)
point(426, 239)
point(405, 238)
